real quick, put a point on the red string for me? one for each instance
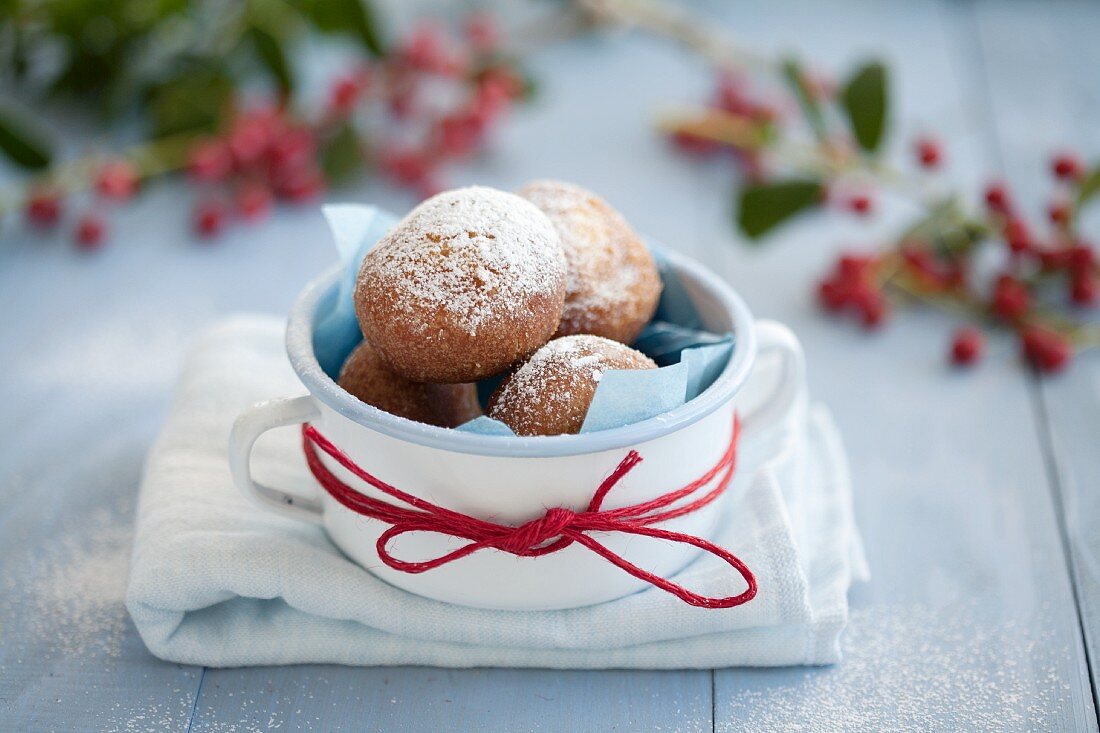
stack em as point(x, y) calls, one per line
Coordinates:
point(555, 530)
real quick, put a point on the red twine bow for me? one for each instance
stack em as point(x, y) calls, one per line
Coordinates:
point(558, 528)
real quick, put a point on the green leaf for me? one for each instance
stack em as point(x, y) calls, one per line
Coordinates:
point(354, 16)
point(865, 99)
point(270, 52)
point(765, 206)
point(341, 158)
point(947, 228)
point(796, 78)
point(19, 141)
point(191, 102)
point(1090, 186)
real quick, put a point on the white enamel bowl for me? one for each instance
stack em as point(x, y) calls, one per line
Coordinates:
point(513, 480)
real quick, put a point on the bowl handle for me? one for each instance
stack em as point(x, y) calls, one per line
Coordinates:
point(764, 424)
point(254, 422)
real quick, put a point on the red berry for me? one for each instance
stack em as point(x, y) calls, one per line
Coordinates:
point(460, 134)
point(967, 346)
point(407, 166)
point(860, 204)
point(345, 94)
point(494, 93)
point(693, 144)
point(854, 267)
point(928, 152)
point(43, 207)
point(424, 48)
point(1045, 350)
point(301, 185)
point(402, 103)
point(1053, 258)
point(210, 160)
point(90, 232)
point(872, 306)
point(929, 271)
point(917, 257)
point(1080, 258)
point(996, 198)
point(482, 32)
point(734, 95)
point(254, 201)
point(1017, 235)
point(1060, 212)
point(291, 149)
point(209, 218)
point(731, 93)
point(248, 140)
point(1083, 289)
point(832, 295)
point(117, 179)
point(955, 276)
point(1067, 167)
point(1011, 298)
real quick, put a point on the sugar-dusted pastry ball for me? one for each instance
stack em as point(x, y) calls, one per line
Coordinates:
point(469, 283)
point(550, 394)
point(366, 377)
point(612, 284)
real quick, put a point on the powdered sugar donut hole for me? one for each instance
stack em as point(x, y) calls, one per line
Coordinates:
point(366, 377)
point(466, 285)
point(551, 393)
point(612, 283)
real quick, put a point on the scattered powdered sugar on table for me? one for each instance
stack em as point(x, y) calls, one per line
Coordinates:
point(470, 252)
point(913, 669)
point(154, 717)
point(76, 588)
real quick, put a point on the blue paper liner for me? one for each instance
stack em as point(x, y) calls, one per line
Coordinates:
point(689, 358)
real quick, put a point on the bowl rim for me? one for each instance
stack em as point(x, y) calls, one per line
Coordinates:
point(299, 347)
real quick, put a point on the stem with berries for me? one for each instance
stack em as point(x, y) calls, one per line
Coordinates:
point(802, 142)
point(410, 112)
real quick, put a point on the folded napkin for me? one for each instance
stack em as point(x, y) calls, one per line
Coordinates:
point(218, 582)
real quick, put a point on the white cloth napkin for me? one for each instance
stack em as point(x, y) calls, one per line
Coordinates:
point(218, 582)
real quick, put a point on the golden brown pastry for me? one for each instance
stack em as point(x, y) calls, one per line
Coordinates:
point(550, 394)
point(469, 283)
point(365, 376)
point(612, 284)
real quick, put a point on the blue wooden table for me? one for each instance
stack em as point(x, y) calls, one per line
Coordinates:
point(978, 494)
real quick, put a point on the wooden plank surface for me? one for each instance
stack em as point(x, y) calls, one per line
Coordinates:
point(1044, 96)
point(970, 621)
point(326, 698)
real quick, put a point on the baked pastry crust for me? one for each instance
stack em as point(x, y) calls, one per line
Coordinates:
point(366, 377)
point(466, 285)
point(612, 283)
point(551, 393)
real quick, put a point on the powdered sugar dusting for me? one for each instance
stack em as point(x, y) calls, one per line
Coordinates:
point(561, 373)
point(914, 669)
point(77, 589)
point(592, 235)
point(475, 253)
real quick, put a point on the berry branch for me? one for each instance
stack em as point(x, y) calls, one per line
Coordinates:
point(803, 142)
point(408, 111)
